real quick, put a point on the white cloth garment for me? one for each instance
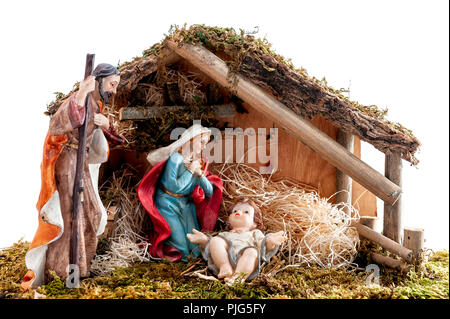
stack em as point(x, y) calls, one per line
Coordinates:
point(163, 153)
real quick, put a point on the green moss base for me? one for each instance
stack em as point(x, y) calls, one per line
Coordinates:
point(166, 280)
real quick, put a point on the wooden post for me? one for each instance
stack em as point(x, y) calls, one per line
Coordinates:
point(392, 221)
point(344, 182)
point(414, 239)
point(318, 141)
point(390, 262)
point(385, 242)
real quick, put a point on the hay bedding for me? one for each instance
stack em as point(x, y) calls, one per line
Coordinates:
point(319, 233)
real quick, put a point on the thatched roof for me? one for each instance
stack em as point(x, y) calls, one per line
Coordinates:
point(305, 95)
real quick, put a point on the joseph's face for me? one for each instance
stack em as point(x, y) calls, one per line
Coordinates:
point(110, 83)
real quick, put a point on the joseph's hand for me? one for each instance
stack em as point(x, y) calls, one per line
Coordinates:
point(101, 121)
point(86, 87)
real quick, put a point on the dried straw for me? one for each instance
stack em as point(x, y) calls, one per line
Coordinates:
point(126, 129)
point(153, 94)
point(126, 245)
point(319, 233)
point(189, 85)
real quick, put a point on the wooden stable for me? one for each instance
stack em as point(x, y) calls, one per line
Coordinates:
point(315, 151)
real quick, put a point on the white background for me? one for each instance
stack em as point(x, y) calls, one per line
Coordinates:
point(395, 53)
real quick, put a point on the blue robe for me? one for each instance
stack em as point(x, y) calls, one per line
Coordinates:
point(179, 212)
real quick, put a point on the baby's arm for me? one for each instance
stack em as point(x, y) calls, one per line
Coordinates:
point(198, 238)
point(269, 244)
point(275, 239)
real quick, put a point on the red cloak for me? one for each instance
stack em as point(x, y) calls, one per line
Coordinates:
point(207, 209)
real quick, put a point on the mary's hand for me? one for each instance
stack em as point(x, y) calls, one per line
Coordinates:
point(196, 168)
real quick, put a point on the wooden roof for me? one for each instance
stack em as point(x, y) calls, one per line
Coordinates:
point(304, 95)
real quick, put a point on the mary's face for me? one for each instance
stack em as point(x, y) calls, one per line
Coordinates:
point(199, 143)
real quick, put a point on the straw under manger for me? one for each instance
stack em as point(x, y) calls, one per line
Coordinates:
point(319, 233)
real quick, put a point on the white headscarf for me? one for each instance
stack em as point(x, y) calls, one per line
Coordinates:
point(163, 153)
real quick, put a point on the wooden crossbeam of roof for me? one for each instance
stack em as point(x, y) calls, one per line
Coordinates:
point(145, 113)
point(318, 141)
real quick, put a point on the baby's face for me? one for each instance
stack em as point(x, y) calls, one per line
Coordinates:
point(242, 216)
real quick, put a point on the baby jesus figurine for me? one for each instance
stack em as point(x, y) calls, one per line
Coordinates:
point(240, 250)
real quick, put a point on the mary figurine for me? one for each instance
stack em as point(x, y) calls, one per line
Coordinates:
point(180, 194)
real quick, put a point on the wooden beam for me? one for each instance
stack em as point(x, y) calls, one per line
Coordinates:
point(385, 242)
point(145, 113)
point(167, 57)
point(390, 262)
point(392, 219)
point(318, 141)
point(344, 182)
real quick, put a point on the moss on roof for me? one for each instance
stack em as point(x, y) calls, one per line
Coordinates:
point(238, 44)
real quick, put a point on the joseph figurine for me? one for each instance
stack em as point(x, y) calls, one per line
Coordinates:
point(50, 247)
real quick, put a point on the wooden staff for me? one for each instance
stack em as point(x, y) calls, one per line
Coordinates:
point(78, 188)
point(344, 182)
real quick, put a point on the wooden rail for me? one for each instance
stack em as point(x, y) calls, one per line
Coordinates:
point(385, 242)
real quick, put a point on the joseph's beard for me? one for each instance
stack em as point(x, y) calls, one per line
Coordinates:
point(105, 95)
